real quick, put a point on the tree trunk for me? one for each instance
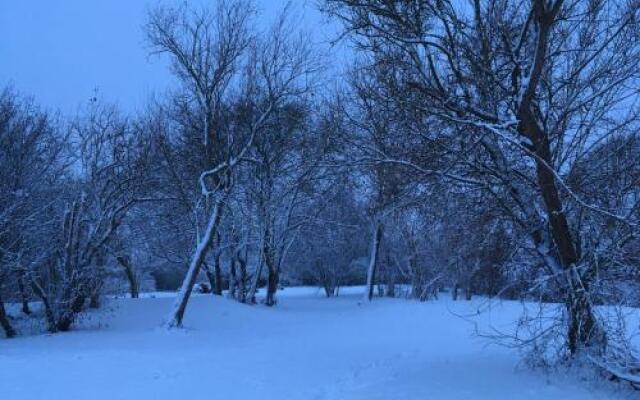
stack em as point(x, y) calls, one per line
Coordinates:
point(217, 274)
point(48, 311)
point(582, 330)
point(233, 283)
point(69, 315)
point(254, 285)
point(391, 290)
point(373, 259)
point(272, 270)
point(272, 287)
point(210, 277)
point(180, 305)
point(23, 295)
point(242, 279)
point(94, 300)
point(4, 321)
point(454, 292)
point(329, 290)
point(134, 285)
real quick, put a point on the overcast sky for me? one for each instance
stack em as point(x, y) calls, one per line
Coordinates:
point(60, 51)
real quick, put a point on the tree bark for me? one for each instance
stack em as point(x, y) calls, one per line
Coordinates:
point(134, 286)
point(582, 330)
point(94, 300)
point(48, 311)
point(242, 279)
point(373, 259)
point(217, 271)
point(233, 280)
point(180, 305)
point(454, 291)
point(254, 285)
point(272, 270)
point(272, 287)
point(66, 319)
point(23, 295)
point(4, 321)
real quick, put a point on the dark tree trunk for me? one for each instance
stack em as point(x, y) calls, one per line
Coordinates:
point(329, 289)
point(242, 279)
point(582, 330)
point(67, 318)
point(4, 321)
point(94, 300)
point(48, 311)
point(272, 286)
point(232, 278)
point(391, 290)
point(134, 285)
point(210, 277)
point(454, 291)
point(217, 275)
point(23, 295)
point(272, 271)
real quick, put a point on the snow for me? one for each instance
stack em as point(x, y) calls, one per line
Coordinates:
point(308, 347)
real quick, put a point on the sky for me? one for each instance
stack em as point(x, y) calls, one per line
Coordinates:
point(62, 51)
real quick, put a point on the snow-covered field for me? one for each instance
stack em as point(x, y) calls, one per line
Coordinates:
point(308, 347)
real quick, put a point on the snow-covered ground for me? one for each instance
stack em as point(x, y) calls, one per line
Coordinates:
point(308, 347)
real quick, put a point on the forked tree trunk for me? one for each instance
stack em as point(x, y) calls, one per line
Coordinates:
point(180, 305)
point(5, 323)
point(68, 316)
point(329, 289)
point(373, 260)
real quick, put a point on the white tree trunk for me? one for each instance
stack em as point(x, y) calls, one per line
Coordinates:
point(180, 305)
point(371, 271)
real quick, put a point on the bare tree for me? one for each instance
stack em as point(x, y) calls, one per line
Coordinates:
point(32, 162)
point(527, 89)
point(265, 75)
